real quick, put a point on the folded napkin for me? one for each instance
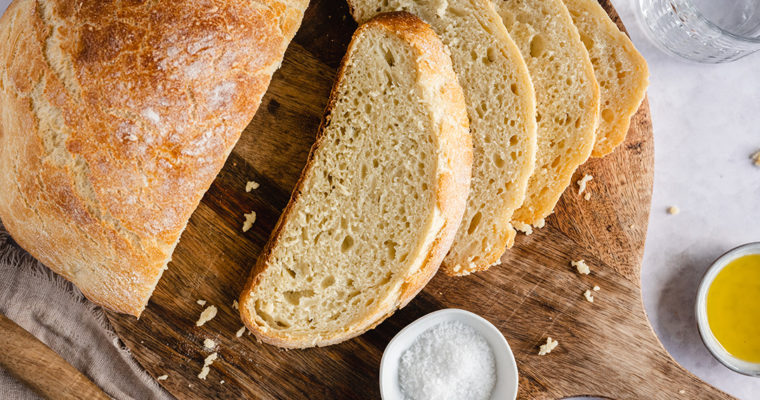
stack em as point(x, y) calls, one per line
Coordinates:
point(56, 312)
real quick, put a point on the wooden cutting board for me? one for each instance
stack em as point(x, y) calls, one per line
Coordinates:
point(606, 348)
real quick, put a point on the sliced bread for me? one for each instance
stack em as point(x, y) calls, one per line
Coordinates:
point(379, 201)
point(567, 97)
point(501, 106)
point(621, 71)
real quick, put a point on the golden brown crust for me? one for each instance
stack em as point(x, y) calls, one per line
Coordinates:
point(452, 188)
point(116, 118)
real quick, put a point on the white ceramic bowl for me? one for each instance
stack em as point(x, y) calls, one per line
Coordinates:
point(506, 368)
point(712, 344)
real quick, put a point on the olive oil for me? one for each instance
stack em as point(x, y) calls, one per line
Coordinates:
point(733, 308)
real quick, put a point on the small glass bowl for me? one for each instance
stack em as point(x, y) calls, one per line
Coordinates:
point(712, 344)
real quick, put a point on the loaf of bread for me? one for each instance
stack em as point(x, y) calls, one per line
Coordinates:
point(621, 71)
point(567, 97)
point(380, 199)
point(501, 106)
point(116, 117)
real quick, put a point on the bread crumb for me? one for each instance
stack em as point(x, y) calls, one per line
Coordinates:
point(209, 344)
point(240, 332)
point(221, 382)
point(681, 391)
point(540, 223)
point(581, 266)
point(587, 196)
point(596, 288)
point(162, 378)
point(547, 348)
point(206, 364)
point(207, 315)
point(756, 158)
point(251, 185)
point(523, 227)
point(582, 183)
point(235, 305)
point(673, 210)
point(201, 302)
point(631, 226)
point(250, 218)
point(590, 297)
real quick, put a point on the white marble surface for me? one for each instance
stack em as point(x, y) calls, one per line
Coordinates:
point(706, 124)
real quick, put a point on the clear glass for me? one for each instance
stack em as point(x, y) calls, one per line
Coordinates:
point(709, 31)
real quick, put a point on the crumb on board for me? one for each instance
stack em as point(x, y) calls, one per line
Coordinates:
point(587, 196)
point(235, 305)
point(207, 315)
point(631, 226)
point(206, 364)
point(240, 332)
point(581, 266)
point(250, 218)
point(540, 223)
point(523, 227)
point(201, 302)
point(162, 378)
point(221, 382)
point(251, 185)
point(582, 183)
point(756, 158)
point(596, 288)
point(682, 391)
point(209, 344)
point(590, 297)
point(547, 348)
point(673, 210)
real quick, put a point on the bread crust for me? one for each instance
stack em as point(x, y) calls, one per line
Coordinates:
point(549, 181)
point(451, 193)
point(116, 119)
point(590, 14)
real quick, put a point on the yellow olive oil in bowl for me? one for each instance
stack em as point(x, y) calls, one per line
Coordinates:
point(733, 307)
point(728, 309)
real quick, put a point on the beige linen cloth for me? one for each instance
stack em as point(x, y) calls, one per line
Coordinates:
point(55, 312)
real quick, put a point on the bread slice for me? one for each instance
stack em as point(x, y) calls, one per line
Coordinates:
point(379, 200)
point(116, 117)
point(501, 106)
point(567, 97)
point(621, 71)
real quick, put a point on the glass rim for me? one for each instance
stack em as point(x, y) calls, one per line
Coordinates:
point(722, 31)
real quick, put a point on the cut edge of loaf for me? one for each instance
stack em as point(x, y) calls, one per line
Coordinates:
point(453, 177)
point(616, 52)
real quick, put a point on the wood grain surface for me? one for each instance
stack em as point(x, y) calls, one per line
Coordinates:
point(606, 348)
point(40, 368)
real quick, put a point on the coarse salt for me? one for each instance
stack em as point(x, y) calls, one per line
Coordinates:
point(448, 361)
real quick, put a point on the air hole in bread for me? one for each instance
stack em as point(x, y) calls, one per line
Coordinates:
point(347, 244)
point(474, 222)
point(537, 46)
point(389, 58)
point(291, 272)
point(327, 282)
point(586, 41)
point(294, 296)
point(608, 115)
point(513, 88)
point(498, 161)
point(491, 54)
